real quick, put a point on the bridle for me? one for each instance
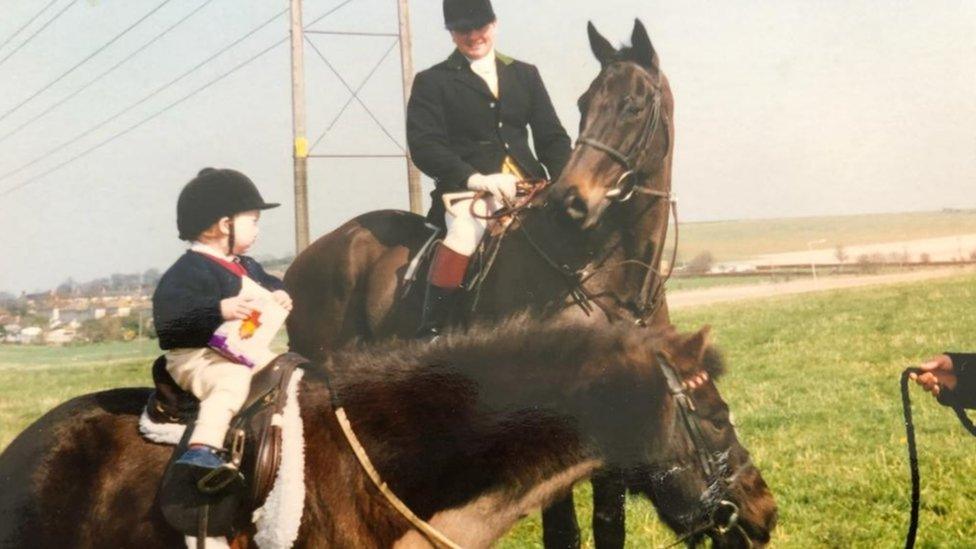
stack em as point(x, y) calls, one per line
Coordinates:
point(723, 515)
point(621, 191)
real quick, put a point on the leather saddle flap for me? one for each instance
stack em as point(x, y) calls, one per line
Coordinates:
point(253, 433)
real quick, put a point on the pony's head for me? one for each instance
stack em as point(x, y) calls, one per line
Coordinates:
point(625, 132)
point(703, 481)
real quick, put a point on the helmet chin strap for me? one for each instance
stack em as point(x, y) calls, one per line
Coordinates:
point(230, 238)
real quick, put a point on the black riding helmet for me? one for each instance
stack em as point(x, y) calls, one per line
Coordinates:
point(214, 194)
point(465, 15)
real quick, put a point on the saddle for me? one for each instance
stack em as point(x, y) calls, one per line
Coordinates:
point(253, 440)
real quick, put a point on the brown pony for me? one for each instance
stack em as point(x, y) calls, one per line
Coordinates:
point(471, 432)
point(599, 231)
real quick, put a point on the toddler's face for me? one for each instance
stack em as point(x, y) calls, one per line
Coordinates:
point(245, 230)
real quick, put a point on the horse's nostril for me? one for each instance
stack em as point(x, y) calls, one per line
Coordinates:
point(575, 206)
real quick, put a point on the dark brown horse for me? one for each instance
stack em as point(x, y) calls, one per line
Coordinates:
point(602, 229)
point(471, 432)
point(348, 285)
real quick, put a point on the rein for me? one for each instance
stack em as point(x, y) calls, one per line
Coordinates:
point(436, 538)
point(648, 301)
point(433, 535)
point(906, 405)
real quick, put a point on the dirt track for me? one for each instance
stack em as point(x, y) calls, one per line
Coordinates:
point(693, 298)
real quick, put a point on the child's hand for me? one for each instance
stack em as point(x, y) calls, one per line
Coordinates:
point(236, 308)
point(282, 298)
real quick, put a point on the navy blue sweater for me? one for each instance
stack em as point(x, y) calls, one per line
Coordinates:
point(186, 304)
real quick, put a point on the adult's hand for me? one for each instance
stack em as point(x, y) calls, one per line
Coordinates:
point(936, 374)
point(501, 185)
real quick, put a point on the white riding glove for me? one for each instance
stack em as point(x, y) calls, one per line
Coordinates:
point(501, 185)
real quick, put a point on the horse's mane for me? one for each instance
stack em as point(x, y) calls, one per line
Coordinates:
point(533, 349)
point(556, 390)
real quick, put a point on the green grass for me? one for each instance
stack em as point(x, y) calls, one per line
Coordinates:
point(812, 381)
point(813, 384)
point(731, 240)
point(34, 379)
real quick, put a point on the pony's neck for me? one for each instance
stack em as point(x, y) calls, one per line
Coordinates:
point(492, 428)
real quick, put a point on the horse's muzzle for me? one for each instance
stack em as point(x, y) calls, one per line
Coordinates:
point(566, 199)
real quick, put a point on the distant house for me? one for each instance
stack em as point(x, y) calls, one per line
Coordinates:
point(31, 334)
point(60, 336)
point(12, 333)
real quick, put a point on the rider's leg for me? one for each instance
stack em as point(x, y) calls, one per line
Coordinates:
point(222, 387)
point(464, 231)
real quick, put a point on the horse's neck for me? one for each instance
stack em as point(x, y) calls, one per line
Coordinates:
point(627, 275)
point(480, 430)
point(468, 471)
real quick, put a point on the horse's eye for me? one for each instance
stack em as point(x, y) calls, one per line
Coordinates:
point(721, 419)
point(631, 107)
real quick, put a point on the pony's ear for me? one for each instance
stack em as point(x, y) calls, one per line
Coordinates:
point(601, 47)
point(641, 47)
point(696, 345)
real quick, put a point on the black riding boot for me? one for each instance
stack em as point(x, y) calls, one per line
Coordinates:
point(437, 307)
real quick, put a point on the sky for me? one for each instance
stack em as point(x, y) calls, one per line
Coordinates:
point(788, 108)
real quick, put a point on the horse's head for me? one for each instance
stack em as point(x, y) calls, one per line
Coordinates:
point(699, 476)
point(625, 132)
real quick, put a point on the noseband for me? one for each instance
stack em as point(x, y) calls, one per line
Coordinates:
point(724, 515)
point(620, 192)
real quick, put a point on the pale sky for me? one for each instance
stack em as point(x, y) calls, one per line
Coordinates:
point(787, 108)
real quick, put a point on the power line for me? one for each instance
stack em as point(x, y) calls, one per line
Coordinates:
point(354, 94)
point(154, 93)
point(38, 31)
point(144, 120)
point(83, 61)
point(75, 93)
point(27, 24)
point(157, 113)
point(328, 13)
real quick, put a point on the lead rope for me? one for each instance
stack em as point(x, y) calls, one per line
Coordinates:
point(913, 450)
point(906, 406)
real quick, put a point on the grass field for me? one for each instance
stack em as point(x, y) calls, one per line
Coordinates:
point(813, 383)
point(731, 240)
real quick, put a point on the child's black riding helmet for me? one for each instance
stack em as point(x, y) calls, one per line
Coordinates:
point(214, 194)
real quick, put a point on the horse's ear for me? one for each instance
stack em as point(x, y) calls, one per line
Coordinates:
point(696, 345)
point(601, 47)
point(641, 47)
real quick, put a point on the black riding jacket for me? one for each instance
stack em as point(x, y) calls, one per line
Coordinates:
point(456, 127)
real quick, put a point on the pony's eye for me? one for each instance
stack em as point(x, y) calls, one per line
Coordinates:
point(721, 419)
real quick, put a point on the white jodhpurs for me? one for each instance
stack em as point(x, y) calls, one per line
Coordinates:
point(464, 222)
point(221, 385)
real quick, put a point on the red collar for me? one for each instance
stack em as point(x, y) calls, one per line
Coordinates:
point(232, 266)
